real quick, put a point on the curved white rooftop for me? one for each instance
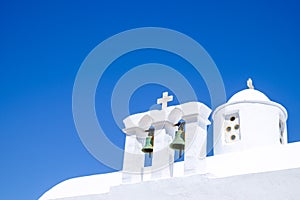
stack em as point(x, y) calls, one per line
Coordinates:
point(248, 95)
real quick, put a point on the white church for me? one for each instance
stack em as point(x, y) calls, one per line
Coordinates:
point(252, 159)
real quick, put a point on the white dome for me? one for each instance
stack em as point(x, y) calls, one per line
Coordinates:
point(248, 95)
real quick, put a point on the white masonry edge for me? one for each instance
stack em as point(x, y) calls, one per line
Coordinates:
point(266, 159)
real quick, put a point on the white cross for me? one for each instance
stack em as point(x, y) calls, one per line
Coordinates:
point(164, 100)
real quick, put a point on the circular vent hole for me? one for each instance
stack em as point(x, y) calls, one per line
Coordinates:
point(228, 129)
point(237, 126)
point(232, 137)
point(232, 118)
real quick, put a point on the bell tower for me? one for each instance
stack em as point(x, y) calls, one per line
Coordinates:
point(249, 119)
point(160, 134)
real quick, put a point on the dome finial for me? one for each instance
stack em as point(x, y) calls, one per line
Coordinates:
point(250, 84)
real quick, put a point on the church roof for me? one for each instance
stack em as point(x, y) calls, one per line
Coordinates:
point(248, 95)
point(251, 173)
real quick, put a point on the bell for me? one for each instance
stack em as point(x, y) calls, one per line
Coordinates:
point(148, 148)
point(178, 142)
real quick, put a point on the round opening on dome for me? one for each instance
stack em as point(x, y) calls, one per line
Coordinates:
point(237, 126)
point(232, 118)
point(232, 137)
point(228, 129)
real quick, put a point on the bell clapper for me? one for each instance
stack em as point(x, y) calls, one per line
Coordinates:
point(180, 153)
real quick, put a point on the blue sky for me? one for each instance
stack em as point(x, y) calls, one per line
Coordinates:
point(43, 44)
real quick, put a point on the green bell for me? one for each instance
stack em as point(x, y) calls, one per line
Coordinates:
point(178, 142)
point(148, 148)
